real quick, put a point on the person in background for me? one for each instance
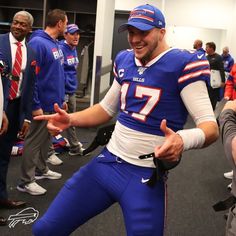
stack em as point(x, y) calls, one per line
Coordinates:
point(197, 45)
point(230, 85)
point(230, 94)
point(3, 119)
point(227, 59)
point(153, 87)
point(228, 64)
point(216, 63)
point(227, 122)
point(18, 82)
point(50, 89)
point(68, 47)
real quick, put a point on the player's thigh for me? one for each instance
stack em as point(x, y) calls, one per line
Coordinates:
point(144, 208)
point(81, 198)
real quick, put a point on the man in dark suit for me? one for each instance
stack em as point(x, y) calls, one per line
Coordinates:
point(17, 107)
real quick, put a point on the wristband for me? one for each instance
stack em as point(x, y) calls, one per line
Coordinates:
point(192, 138)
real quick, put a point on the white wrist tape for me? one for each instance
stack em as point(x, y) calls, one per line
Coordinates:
point(192, 138)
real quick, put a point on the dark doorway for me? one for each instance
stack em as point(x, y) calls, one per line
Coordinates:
point(119, 39)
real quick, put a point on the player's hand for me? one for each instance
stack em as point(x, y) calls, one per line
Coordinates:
point(65, 106)
point(24, 130)
point(56, 122)
point(172, 147)
point(5, 123)
point(230, 105)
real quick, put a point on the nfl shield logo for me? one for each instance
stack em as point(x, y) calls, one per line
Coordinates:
point(141, 70)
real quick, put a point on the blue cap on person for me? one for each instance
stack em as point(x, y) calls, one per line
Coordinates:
point(72, 28)
point(144, 17)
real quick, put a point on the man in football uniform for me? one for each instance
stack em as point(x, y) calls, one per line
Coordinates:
point(154, 88)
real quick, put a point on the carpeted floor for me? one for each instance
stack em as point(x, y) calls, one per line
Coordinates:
point(193, 187)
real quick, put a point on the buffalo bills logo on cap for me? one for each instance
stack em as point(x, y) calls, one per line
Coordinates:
point(145, 17)
point(72, 28)
point(142, 14)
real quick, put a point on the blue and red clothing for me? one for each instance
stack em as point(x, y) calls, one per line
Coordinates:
point(228, 62)
point(50, 87)
point(159, 87)
point(71, 62)
point(147, 95)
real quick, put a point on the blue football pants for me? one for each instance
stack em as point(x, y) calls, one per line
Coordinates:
point(106, 180)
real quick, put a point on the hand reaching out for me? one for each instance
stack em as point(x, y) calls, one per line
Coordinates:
point(172, 147)
point(5, 123)
point(230, 105)
point(56, 122)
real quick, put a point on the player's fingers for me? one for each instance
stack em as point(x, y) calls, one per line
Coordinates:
point(58, 109)
point(161, 150)
point(165, 129)
point(44, 117)
point(52, 128)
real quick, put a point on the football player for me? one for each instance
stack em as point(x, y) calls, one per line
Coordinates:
point(155, 87)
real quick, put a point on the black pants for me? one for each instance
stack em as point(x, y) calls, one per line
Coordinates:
point(214, 95)
point(6, 142)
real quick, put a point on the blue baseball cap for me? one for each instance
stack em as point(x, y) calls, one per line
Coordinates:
point(72, 28)
point(144, 17)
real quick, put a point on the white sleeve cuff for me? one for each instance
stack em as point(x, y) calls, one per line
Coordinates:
point(192, 138)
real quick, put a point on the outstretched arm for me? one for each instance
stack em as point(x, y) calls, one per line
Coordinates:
point(61, 120)
point(227, 122)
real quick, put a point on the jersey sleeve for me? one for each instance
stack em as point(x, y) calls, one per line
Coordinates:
point(196, 68)
point(120, 59)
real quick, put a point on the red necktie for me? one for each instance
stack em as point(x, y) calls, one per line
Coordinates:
point(16, 72)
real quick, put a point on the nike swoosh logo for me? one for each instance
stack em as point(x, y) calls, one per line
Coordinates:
point(144, 180)
point(200, 56)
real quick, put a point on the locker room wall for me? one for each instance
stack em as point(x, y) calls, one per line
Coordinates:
point(209, 20)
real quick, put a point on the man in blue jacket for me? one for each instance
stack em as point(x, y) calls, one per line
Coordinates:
point(50, 89)
point(17, 100)
point(227, 59)
point(68, 47)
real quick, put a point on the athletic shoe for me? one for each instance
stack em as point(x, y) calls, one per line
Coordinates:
point(76, 152)
point(54, 160)
point(228, 175)
point(80, 144)
point(229, 187)
point(32, 188)
point(68, 144)
point(49, 175)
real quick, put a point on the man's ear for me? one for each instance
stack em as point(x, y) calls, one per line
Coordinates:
point(162, 33)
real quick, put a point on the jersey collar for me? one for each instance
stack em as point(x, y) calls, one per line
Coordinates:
point(139, 63)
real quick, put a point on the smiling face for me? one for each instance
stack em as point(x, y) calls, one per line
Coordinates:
point(146, 44)
point(20, 27)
